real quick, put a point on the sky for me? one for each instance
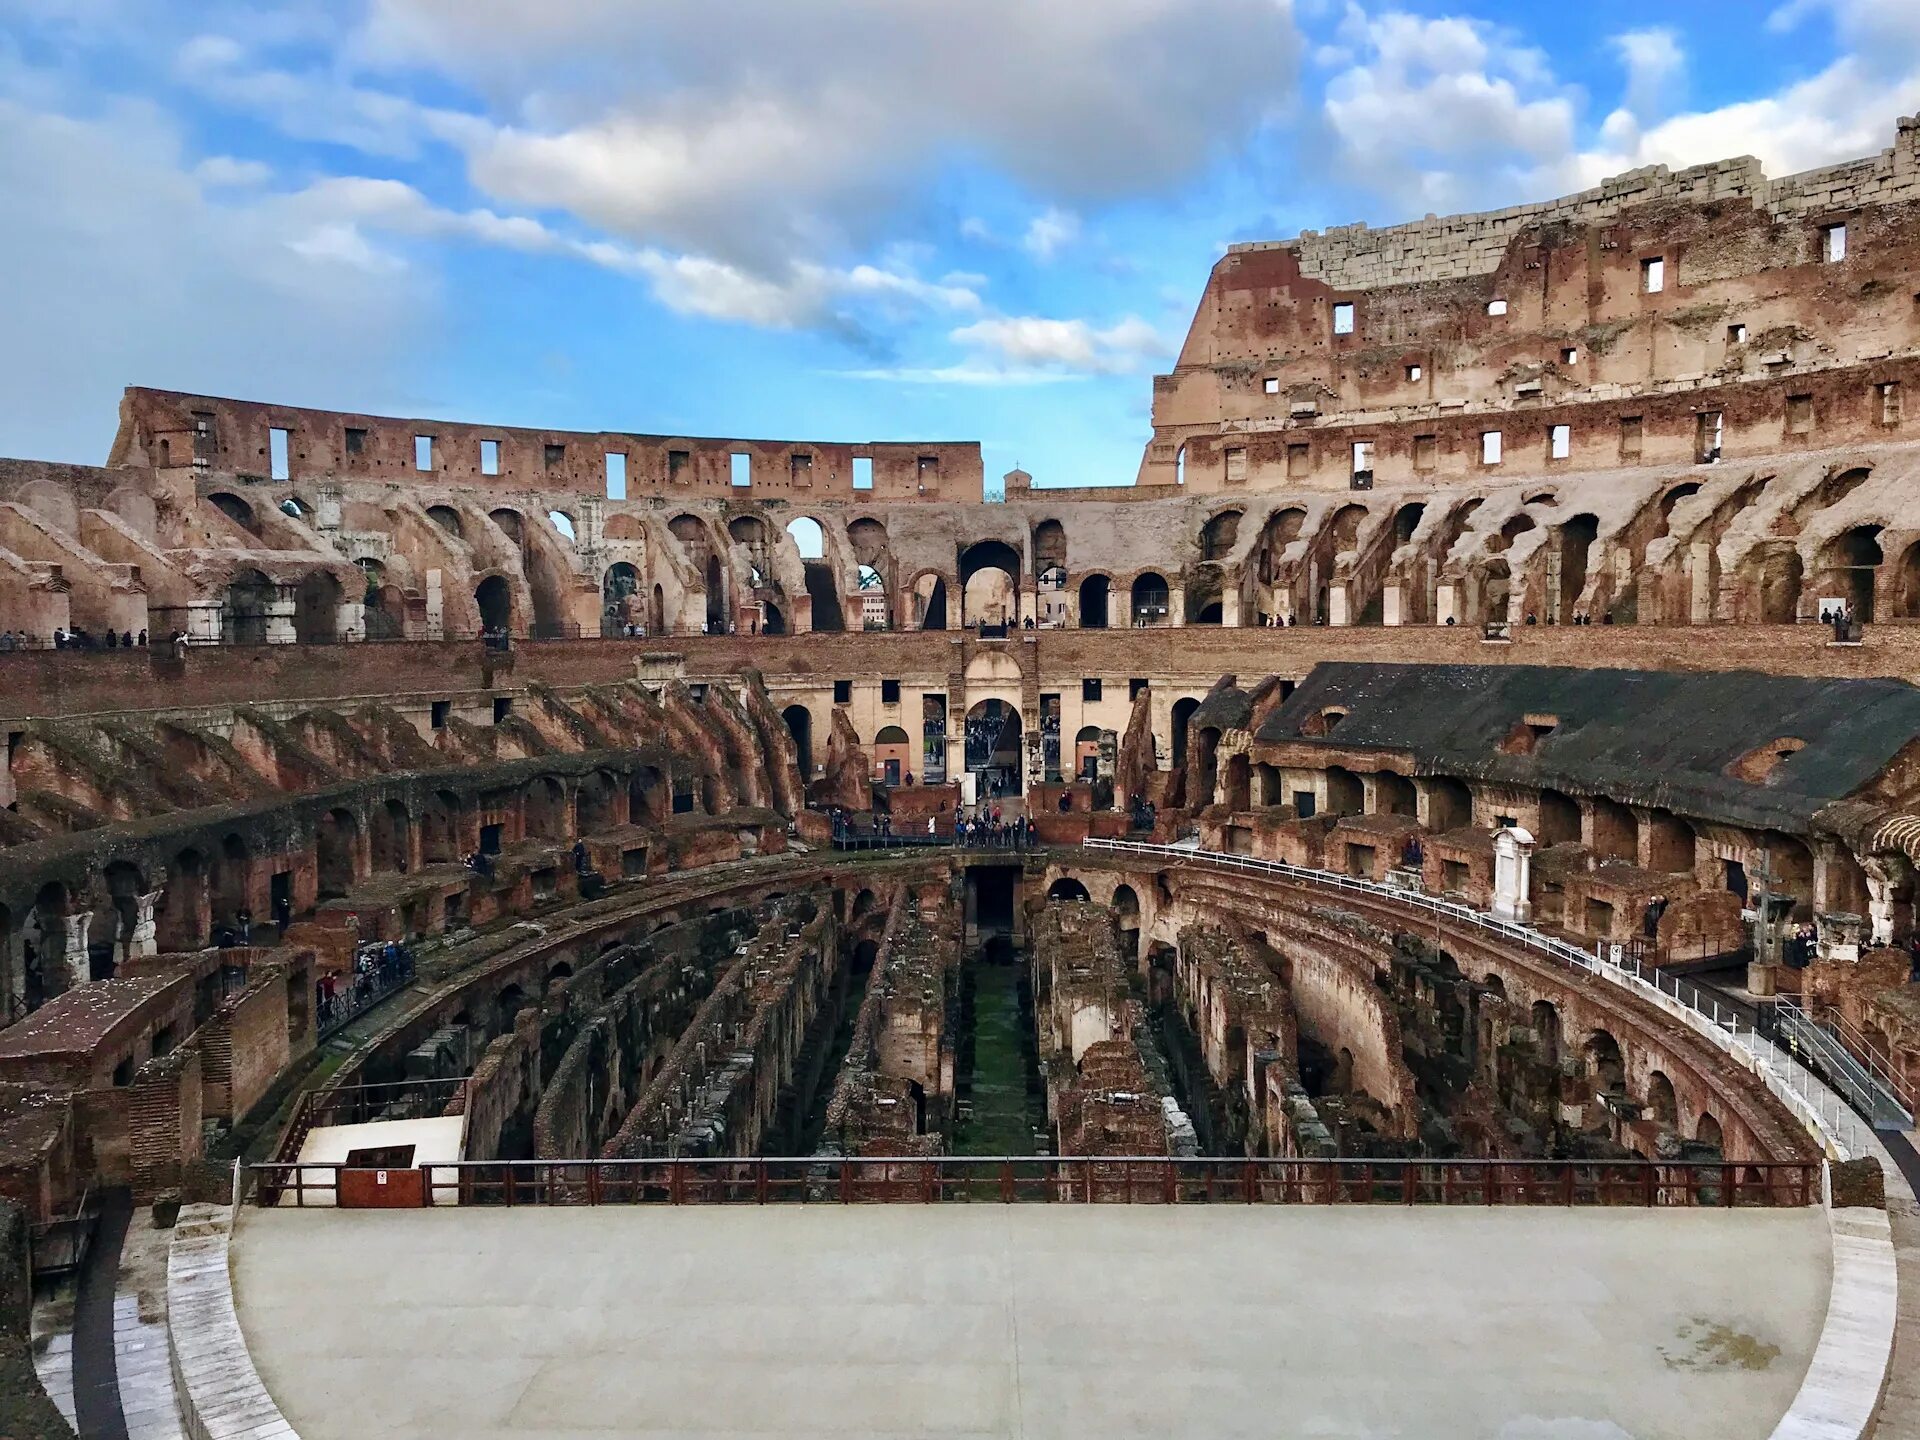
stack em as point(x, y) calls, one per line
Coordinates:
point(848, 220)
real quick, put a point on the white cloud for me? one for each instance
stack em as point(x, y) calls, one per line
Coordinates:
point(1655, 63)
point(136, 269)
point(1030, 342)
point(227, 172)
point(1051, 231)
point(804, 125)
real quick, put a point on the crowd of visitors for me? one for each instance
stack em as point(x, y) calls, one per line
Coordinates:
point(377, 970)
point(77, 637)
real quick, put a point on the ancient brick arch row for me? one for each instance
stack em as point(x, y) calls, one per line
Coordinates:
point(1661, 1085)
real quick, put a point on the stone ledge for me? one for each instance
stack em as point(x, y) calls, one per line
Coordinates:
point(220, 1393)
point(1839, 1397)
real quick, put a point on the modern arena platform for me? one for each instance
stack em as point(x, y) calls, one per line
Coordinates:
point(964, 1321)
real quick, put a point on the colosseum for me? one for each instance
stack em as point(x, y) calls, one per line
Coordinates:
point(532, 933)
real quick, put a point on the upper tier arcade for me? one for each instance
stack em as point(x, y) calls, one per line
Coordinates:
point(164, 429)
point(1659, 318)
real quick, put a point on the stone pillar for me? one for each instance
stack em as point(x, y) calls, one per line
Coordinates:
point(279, 612)
point(1512, 875)
point(1884, 874)
point(1700, 573)
point(1176, 604)
point(1029, 606)
point(75, 952)
point(203, 624)
point(350, 620)
point(1230, 606)
point(436, 606)
point(1337, 604)
point(1390, 603)
point(326, 511)
point(144, 940)
point(1446, 598)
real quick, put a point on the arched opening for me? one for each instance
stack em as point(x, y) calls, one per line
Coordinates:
point(799, 721)
point(617, 604)
point(180, 919)
point(657, 612)
point(236, 510)
point(1576, 543)
point(448, 519)
point(993, 748)
point(772, 622)
point(1559, 819)
point(1707, 1131)
point(511, 525)
point(391, 838)
point(316, 609)
point(1393, 794)
point(383, 607)
point(1605, 1066)
point(546, 809)
point(231, 880)
point(1205, 587)
point(335, 840)
point(716, 597)
point(440, 829)
point(1126, 918)
point(1850, 568)
point(593, 804)
point(1067, 888)
point(1346, 794)
point(1204, 768)
point(1662, 1104)
point(1239, 782)
point(1544, 1020)
point(562, 522)
point(808, 538)
point(929, 603)
point(1779, 578)
point(1406, 520)
point(1086, 753)
point(250, 598)
point(1616, 833)
point(647, 796)
point(1094, 593)
point(1219, 535)
point(1182, 713)
point(989, 584)
point(1449, 804)
point(827, 614)
point(1149, 599)
point(892, 754)
point(494, 599)
point(1049, 547)
point(1909, 598)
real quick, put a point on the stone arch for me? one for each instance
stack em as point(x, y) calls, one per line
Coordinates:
point(545, 809)
point(181, 918)
point(994, 752)
point(595, 804)
point(1096, 590)
point(1662, 1103)
point(1067, 888)
point(1393, 794)
point(1238, 784)
point(622, 526)
point(1449, 804)
point(448, 519)
point(1205, 595)
point(828, 616)
point(316, 608)
point(336, 853)
point(1559, 819)
point(493, 598)
point(1220, 534)
point(1544, 1020)
point(236, 510)
point(1577, 538)
point(990, 583)
point(230, 878)
point(440, 838)
point(1049, 546)
point(1850, 564)
point(1778, 576)
point(1346, 795)
point(390, 838)
point(250, 599)
point(1706, 1130)
point(1150, 598)
point(799, 723)
point(1907, 599)
point(1606, 1065)
point(1183, 709)
point(618, 586)
point(929, 592)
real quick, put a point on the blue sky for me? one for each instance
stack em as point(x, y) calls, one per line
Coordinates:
point(807, 219)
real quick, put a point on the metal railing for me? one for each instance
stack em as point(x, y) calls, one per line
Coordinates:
point(1825, 1114)
point(1842, 1055)
point(357, 999)
point(1126, 1180)
point(355, 1105)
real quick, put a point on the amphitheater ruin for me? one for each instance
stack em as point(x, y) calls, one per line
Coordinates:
point(1401, 921)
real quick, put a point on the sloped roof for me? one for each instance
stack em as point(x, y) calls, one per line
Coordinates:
point(1658, 738)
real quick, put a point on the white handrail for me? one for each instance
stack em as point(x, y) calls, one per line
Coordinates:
point(1825, 1115)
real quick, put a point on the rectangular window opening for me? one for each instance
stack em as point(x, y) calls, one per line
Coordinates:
point(1496, 307)
point(740, 469)
point(1363, 460)
point(1272, 385)
point(1236, 466)
point(1414, 372)
point(356, 441)
point(441, 710)
point(1570, 355)
point(1559, 442)
point(1799, 414)
point(616, 475)
point(1736, 334)
point(489, 457)
point(1491, 443)
point(1707, 436)
point(502, 709)
point(1426, 452)
point(1343, 318)
point(1833, 243)
point(1299, 460)
point(862, 472)
point(889, 692)
point(1889, 396)
point(1089, 690)
point(555, 455)
point(679, 467)
point(277, 459)
point(927, 470)
point(800, 471)
point(1136, 686)
point(1653, 276)
point(843, 692)
point(423, 452)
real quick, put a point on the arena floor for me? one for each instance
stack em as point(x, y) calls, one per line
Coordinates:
point(964, 1321)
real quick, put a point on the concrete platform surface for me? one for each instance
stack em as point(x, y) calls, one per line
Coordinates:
point(1035, 1321)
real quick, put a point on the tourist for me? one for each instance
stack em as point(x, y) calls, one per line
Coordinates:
point(244, 919)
